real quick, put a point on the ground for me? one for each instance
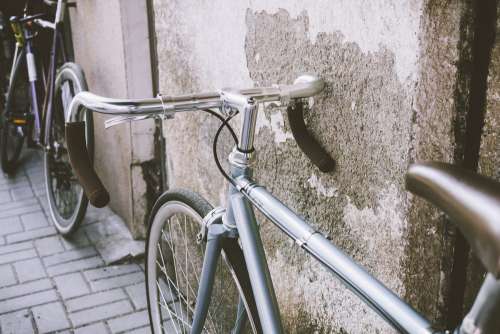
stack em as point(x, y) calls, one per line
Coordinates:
point(49, 284)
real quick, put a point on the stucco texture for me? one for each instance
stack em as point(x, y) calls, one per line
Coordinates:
point(489, 160)
point(390, 72)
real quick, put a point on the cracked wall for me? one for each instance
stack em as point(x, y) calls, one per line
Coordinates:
point(391, 74)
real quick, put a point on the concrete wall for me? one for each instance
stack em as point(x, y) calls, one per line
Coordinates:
point(397, 90)
point(489, 162)
point(111, 42)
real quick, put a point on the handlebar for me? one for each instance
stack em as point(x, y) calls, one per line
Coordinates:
point(305, 86)
point(227, 100)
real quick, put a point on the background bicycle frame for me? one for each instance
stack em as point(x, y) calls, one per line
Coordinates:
point(41, 89)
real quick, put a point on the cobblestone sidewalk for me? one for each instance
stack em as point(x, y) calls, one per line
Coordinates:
point(49, 284)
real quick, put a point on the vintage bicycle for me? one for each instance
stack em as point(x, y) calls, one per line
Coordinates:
point(36, 98)
point(206, 269)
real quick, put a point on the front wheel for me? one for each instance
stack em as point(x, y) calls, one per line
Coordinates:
point(67, 201)
point(174, 261)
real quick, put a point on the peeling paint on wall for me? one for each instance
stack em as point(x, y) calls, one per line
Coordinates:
point(370, 59)
point(315, 183)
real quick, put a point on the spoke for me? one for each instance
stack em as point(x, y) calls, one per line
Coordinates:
point(166, 306)
point(171, 292)
point(175, 315)
point(174, 258)
point(197, 277)
point(185, 275)
point(182, 295)
point(183, 302)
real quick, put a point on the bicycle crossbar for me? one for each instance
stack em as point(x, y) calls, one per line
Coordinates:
point(399, 314)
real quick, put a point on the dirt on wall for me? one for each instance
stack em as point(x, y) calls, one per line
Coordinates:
point(489, 158)
point(364, 120)
point(370, 118)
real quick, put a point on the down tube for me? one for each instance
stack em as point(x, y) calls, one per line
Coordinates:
point(399, 314)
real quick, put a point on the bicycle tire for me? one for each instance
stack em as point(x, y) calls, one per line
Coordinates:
point(16, 102)
point(183, 202)
point(59, 176)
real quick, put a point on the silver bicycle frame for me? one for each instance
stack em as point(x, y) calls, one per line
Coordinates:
point(245, 194)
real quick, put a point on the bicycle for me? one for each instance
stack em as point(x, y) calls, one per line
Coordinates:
point(36, 100)
point(188, 288)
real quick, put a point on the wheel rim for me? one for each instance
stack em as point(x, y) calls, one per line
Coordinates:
point(64, 192)
point(174, 267)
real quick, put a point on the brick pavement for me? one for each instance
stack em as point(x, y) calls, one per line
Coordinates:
point(49, 284)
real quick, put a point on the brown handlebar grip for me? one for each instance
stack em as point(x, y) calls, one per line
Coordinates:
point(311, 148)
point(82, 165)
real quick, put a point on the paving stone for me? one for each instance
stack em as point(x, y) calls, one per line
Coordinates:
point(111, 271)
point(69, 256)
point(5, 186)
point(45, 205)
point(117, 281)
point(34, 220)
point(21, 193)
point(95, 299)
point(34, 299)
point(10, 225)
point(94, 214)
point(24, 289)
point(29, 270)
point(76, 240)
point(15, 247)
point(128, 322)
point(29, 235)
point(18, 211)
point(98, 328)
point(7, 276)
point(100, 313)
point(31, 249)
point(50, 318)
point(39, 189)
point(17, 322)
point(18, 208)
point(147, 330)
point(113, 240)
point(71, 285)
point(18, 204)
point(17, 256)
point(69, 267)
point(49, 246)
point(138, 295)
point(5, 197)
point(36, 177)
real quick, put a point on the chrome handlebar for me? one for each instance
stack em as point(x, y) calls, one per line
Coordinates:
point(226, 99)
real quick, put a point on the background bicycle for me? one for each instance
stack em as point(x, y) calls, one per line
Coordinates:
point(42, 82)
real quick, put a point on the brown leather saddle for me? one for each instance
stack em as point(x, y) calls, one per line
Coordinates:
point(472, 201)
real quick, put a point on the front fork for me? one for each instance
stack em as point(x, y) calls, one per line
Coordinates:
point(216, 234)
